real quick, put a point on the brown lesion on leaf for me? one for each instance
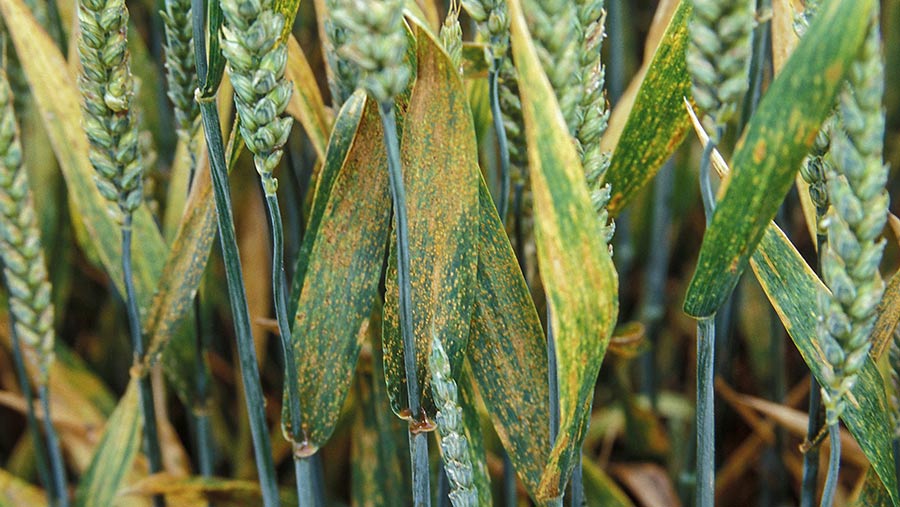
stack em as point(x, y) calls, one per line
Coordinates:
point(759, 151)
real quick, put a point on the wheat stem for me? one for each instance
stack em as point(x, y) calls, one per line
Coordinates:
point(209, 75)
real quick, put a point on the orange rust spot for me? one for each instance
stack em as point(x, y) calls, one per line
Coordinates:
point(834, 72)
point(759, 151)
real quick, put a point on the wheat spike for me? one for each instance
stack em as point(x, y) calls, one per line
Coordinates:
point(107, 87)
point(454, 445)
point(859, 201)
point(181, 67)
point(24, 268)
point(257, 58)
point(718, 58)
point(375, 43)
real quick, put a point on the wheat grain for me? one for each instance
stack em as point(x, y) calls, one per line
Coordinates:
point(181, 67)
point(107, 87)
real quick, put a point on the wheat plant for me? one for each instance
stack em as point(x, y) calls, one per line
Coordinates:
point(425, 253)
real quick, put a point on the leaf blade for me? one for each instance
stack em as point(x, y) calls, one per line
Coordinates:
point(576, 268)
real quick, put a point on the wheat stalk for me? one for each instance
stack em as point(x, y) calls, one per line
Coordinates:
point(718, 59)
point(376, 44)
point(107, 88)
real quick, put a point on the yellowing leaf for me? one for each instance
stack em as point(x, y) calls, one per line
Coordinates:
point(575, 265)
point(656, 123)
point(342, 255)
point(440, 169)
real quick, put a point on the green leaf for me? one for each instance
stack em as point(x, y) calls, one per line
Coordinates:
point(58, 99)
point(793, 289)
point(440, 165)
point(656, 125)
point(507, 353)
point(779, 135)
point(114, 456)
point(15, 492)
point(576, 268)
point(345, 254)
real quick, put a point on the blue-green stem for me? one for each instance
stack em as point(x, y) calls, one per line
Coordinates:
point(834, 465)
point(200, 410)
point(209, 74)
point(145, 389)
point(302, 468)
point(810, 479)
point(502, 142)
point(237, 295)
point(705, 425)
point(40, 455)
point(54, 450)
point(653, 307)
point(418, 440)
point(895, 447)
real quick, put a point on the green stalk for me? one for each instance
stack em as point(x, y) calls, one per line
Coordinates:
point(302, 469)
point(418, 442)
point(705, 425)
point(237, 296)
point(810, 480)
point(148, 407)
point(57, 465)
point(502, 143)
point(31, 419)
point(209, 76)
point(834, 465)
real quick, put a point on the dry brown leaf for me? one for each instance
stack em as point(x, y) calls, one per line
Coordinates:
point(648, 483)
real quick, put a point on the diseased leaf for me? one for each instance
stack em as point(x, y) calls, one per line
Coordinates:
point(440, 165)
point(793, 288)
point(779, 135)
point(115, 454)
point(345, 254)
point(656, 123)
point(576, 268)
point(507, 354)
